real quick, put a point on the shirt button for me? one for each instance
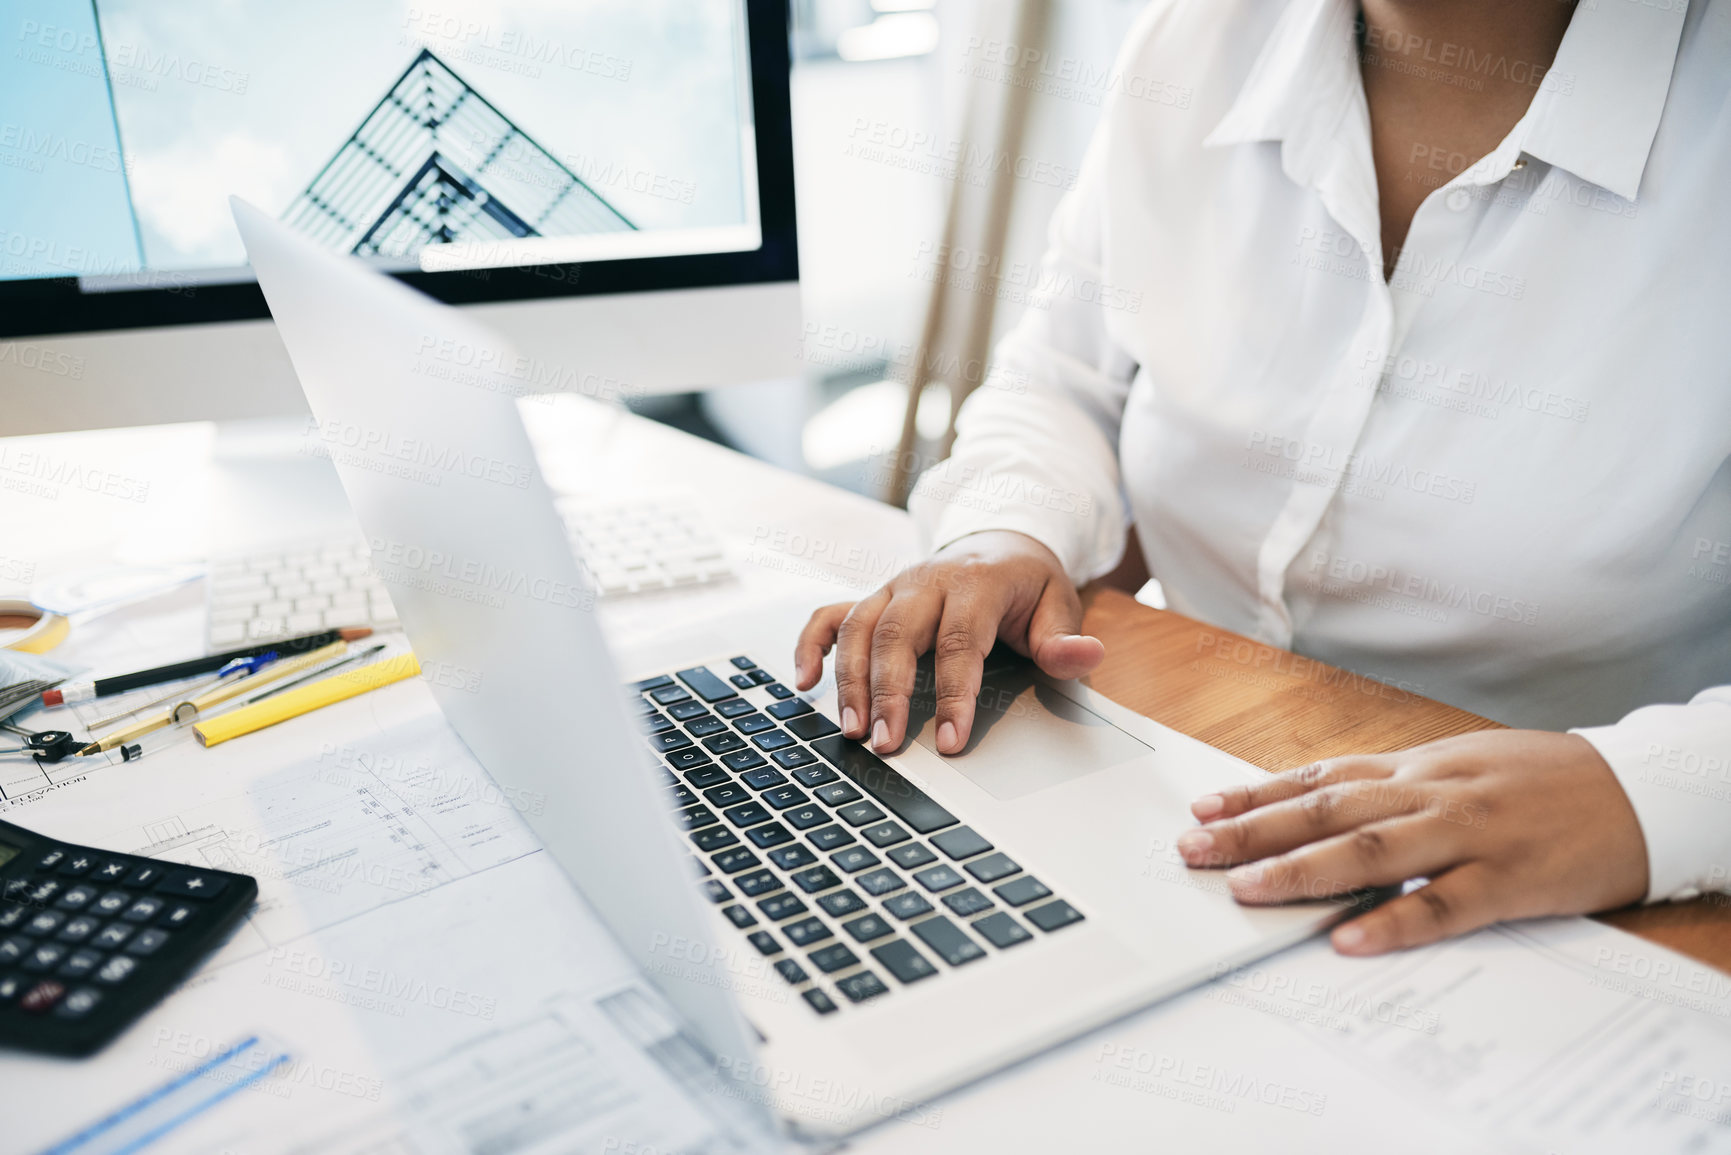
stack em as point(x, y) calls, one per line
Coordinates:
point(1458, 199)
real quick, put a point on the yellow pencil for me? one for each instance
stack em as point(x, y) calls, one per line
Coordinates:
point(188, 710)
point(305, 699)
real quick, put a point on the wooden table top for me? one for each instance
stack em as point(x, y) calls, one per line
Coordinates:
point(1277, 710)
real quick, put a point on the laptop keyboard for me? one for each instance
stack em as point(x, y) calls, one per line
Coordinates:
point(846, 875)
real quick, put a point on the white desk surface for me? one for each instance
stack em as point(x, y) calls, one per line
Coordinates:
point(1308, 1053)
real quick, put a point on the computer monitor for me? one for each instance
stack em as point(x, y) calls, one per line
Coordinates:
point(609, 184)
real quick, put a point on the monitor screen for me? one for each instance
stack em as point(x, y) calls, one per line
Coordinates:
point(452, 137)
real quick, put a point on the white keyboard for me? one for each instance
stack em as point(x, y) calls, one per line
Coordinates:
point(628, 547)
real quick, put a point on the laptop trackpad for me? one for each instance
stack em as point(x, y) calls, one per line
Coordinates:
point(1027, 735)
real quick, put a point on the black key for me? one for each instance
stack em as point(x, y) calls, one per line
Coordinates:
point(756, 883)
point(791, 971)
point(1053, 915)
point(741, 760)
point(833, 958)
point(937, 878)
point(773, 740)
point(807, 931)
point(879, 779)
point(655, 683)
point(792, 857)
point(77, 897)
point(44, 957)
point(667, 776)
point(862, 986)
point(842, 903)
point(707, 775)
point(829, 837)
point(716, 892)
point(812, 726)
point(78, 929)
point(794, 757)
point(723, 743)
point(739, 916)
point(1021, 891)
point(689, 758)
point(815, 879)
point(867, 927)
point(907, 906)
point(879, 881)
point(776, 907)
point(11, 915)
point(703, 727)
point(748, 814)
point(656, 724)
point(14, 948)
point(681, 796)
point(805, 817)
point(705, 684)
point(734, 707)
point(696, 817)
point(147, 941)
point(816, 999)
point(111, 871)
point(949, 941)
point(815, 775)
point(18, 889)
point(1001, 930)
point(78, 1004)
point(714, 838)
point(41, 892)
point(967, 903)
point(837, 794)
point(960, 843)
point(743, 681)
point(764, 942)
point(762, 677)
point(52, 859)
point(770, 834)
point(671, 740)
point(82, 963)
point(44, 924)
point(700, 867)
point(789, 708)
point(744, 663)
point(667, 695)
point(735, 860)
point(777, 690)
point(903, 961)
point(112, 935)
point(115, 970)
point(859, 813)
point(11, 986)
point(643, 709)
point(727, 794)
point(993, 867)
point(784, 796)
point(912, 855)
point(143, 876)
point(886, 834)
point(764, 779)
point(753, 723)
point(688, 709)
point(854, 858)
point(78, 864)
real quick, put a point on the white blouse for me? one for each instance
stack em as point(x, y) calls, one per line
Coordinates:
point(1501, 478)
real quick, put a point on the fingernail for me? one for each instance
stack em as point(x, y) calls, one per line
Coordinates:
point(849, 721)
point(880, 735)
point(947, 737)
point(1195, 843)
point(1349, 937)
point(1208, 806)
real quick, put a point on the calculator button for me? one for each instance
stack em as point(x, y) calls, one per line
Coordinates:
point(11, 915)
point(77, 864)
point(45, 923)
point(143, 908)
point(79, 929)
point(147, 942)
point(114, 902)
point(44, 956)
point(182, 913)
point(14, 949)
point(112, 935)
point(78, 1004)
point(18, 890)
point(52, 859)
point(116, 969)
point(113, 871)
point(77, 898)
point(43, 893)
point(80, 964)
point(11, 986)
point(192, 884)
point(144, 876)
point(41, 997)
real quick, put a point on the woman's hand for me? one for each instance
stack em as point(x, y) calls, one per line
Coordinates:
point(1505, 823)
point(976, 590)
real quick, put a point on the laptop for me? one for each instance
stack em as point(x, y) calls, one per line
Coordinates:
point(847, 936)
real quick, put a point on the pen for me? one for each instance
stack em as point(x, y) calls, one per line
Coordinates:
point(311, 674)
point(239, 668)
point(120, 683)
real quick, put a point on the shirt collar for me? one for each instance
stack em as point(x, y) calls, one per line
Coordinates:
point(1595, 113)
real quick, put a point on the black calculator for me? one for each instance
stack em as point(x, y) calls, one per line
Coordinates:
point(90, 940)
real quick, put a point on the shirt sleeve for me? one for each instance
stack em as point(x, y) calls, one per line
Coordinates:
point(1675, 765)
point(1036, 446)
